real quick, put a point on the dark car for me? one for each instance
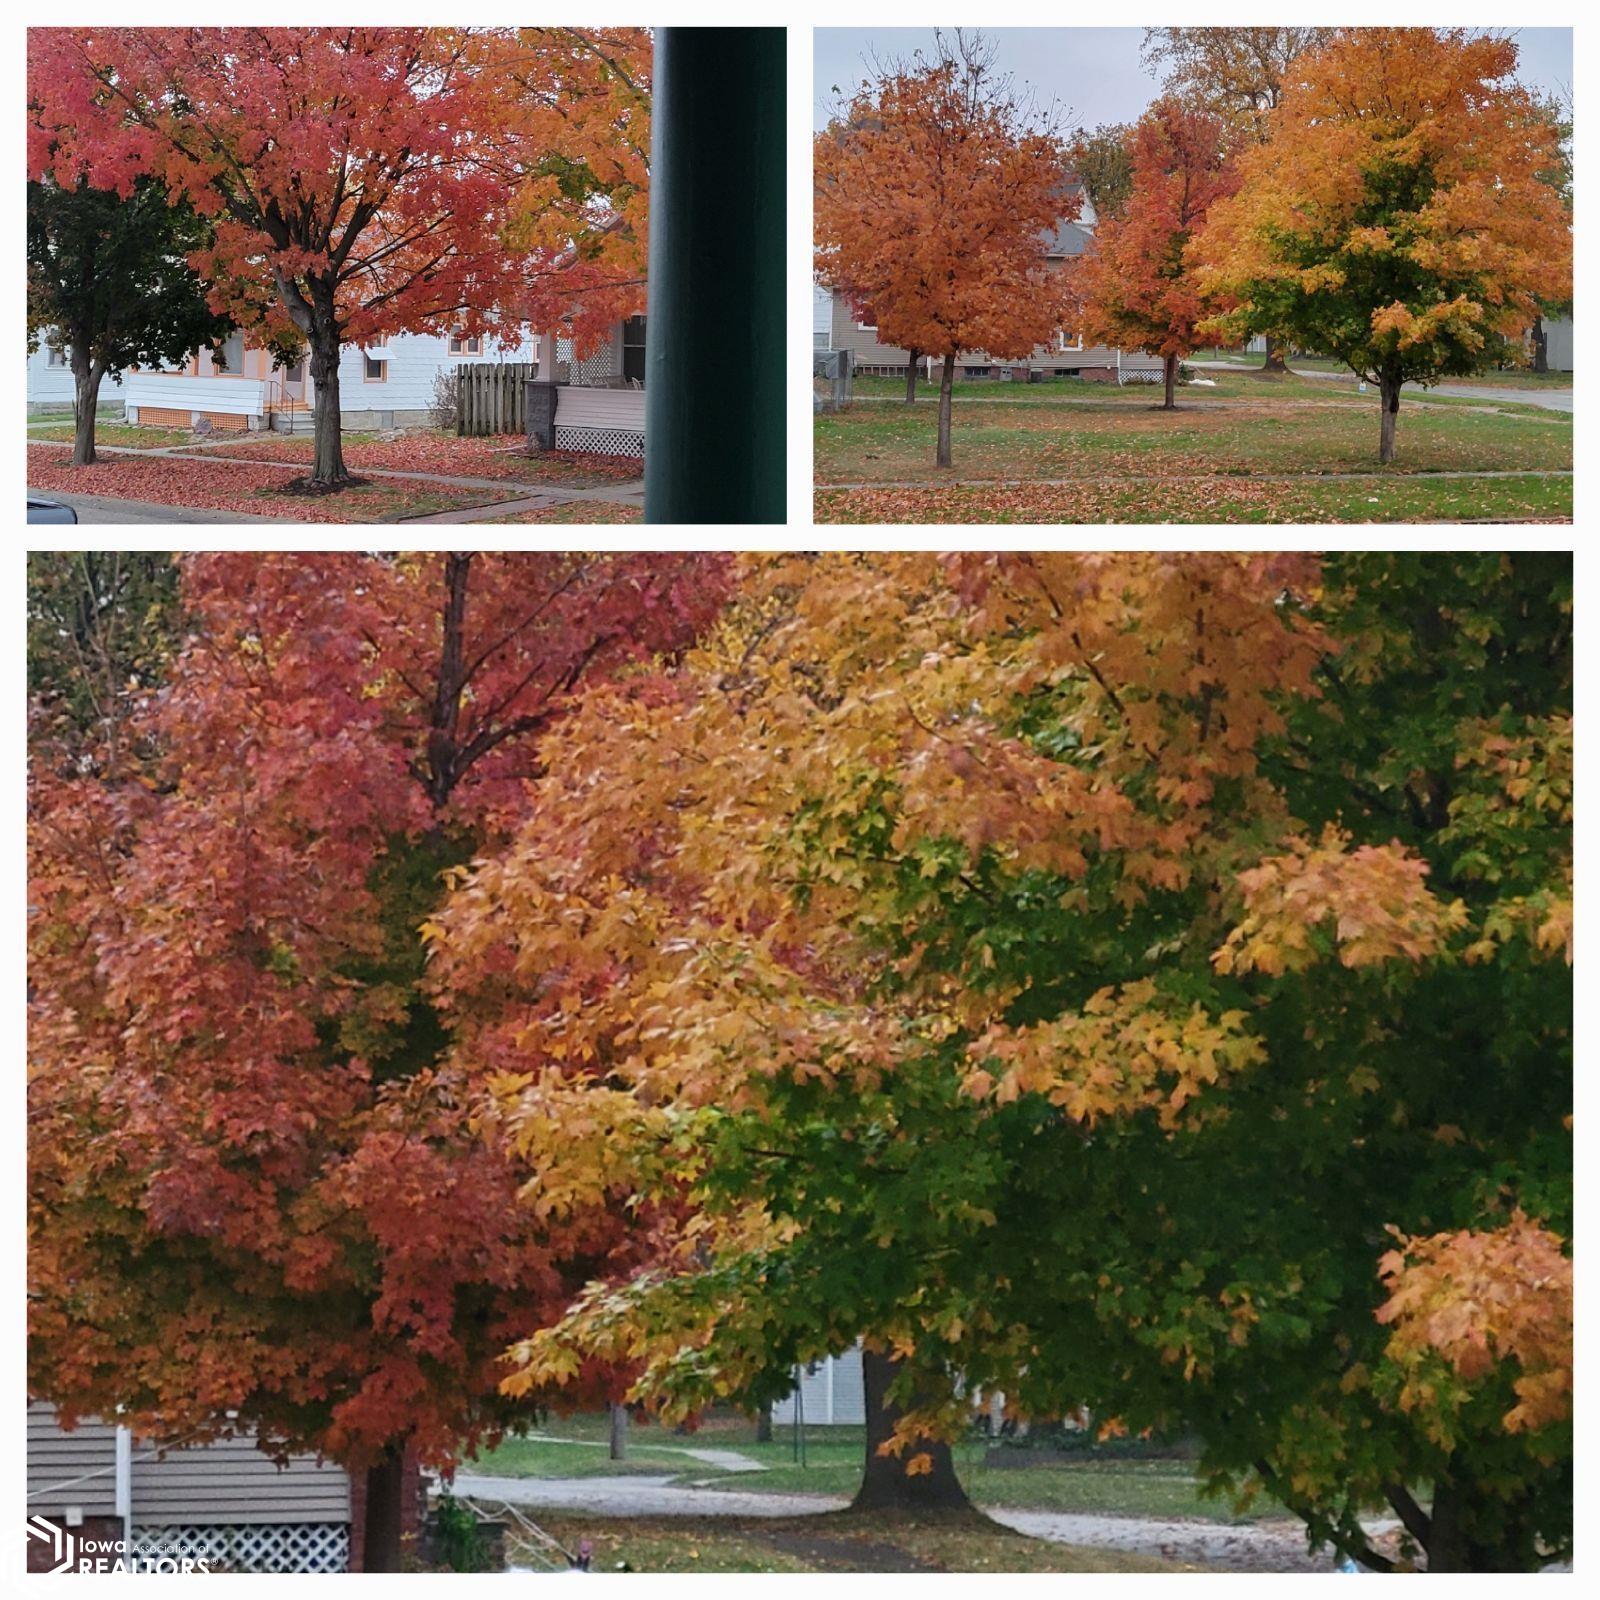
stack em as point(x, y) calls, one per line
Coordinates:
point(49, 511)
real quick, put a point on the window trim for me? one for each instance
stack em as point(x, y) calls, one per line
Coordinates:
point(461, 345)
point(368, 362)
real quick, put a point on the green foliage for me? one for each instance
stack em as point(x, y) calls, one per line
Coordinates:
point(460, 1541)
point(112, 275)
point(102, 627)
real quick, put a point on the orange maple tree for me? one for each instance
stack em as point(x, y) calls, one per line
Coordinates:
point(1057, 970)
point(1140, 288)
point(1398, 216)
point(258, 1202)
point(936, 187)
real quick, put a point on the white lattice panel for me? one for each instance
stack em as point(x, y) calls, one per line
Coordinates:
point(252, 1547)
point(600, 441)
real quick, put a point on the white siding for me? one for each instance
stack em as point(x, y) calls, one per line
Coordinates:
point(1558, 344)
point(52, 386)
point(70, 1469)
point(831, 1394)
point(414, 360)
point(600, 408)
point(821, 316)
point(243, 397)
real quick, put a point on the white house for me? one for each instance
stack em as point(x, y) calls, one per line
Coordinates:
point(50, 386)
point(387, 385)
point(830, 1393)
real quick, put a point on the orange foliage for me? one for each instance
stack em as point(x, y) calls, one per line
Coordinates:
point(1481, 1299)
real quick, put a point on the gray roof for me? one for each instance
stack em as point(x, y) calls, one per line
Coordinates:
point(1069, 239)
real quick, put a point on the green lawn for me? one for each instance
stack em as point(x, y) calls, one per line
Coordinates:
point(119, 433)
point(1163, 1487)
point(835, 1542)
point(1300, 449)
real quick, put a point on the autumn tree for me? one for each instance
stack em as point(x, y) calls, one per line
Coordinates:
point(936, 186)
point(1101, 161)
point(362, 181)
point(1397, 217)
point(258, 1200)
point(1239, 74)
point(1129, 982)
point(109, 280)
point(573, 135)
point(1139, 285)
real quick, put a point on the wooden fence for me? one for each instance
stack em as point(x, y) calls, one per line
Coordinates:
point(490, 397)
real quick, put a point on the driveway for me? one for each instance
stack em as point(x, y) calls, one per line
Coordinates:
point(102, 508)
point(1242, 1547)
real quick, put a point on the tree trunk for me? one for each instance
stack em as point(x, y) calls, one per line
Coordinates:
point(619, 1433)
point(86, 377)
point(1389, 398)
point(327, 463)
point(947, 377)
point(1541, 346)
point(1171, 377)
point(1275, 364)
point(380, 1537)
point(764, 1424)
point(1460, 1537)
point(912, 356)
point(885, 1484)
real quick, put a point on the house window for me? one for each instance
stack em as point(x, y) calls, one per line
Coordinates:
point(868, 327)
point(229, 355)
point(460, 346)
point(55, 356)
point(1064, 343)
point(375, 369)
point(633, 349)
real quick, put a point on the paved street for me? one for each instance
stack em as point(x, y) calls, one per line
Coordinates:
point(1549, 399)
point(102, 508)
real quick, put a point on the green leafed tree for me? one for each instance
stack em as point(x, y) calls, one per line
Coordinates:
point(1399, 215)
point(109, 280)
point(1136, 983)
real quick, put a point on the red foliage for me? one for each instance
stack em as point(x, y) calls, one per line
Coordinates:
point(256, 1182)
point(1140, 289)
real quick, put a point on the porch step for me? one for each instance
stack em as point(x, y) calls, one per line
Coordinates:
point(293, 422)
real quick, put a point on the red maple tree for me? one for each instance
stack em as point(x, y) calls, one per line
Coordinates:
point(363, 181)
point(1139, 287)
point(260, 1201)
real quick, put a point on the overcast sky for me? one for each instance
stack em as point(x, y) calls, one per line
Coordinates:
point(1093, 73)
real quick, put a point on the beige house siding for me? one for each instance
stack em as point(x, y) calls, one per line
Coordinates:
point(70, 1469)
point(226, 1482)
point(866, 350)
point(231, 1481)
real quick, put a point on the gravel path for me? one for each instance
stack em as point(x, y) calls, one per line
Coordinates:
point(1244, 1547)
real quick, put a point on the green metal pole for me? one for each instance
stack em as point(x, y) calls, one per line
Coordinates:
point(715, 341)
